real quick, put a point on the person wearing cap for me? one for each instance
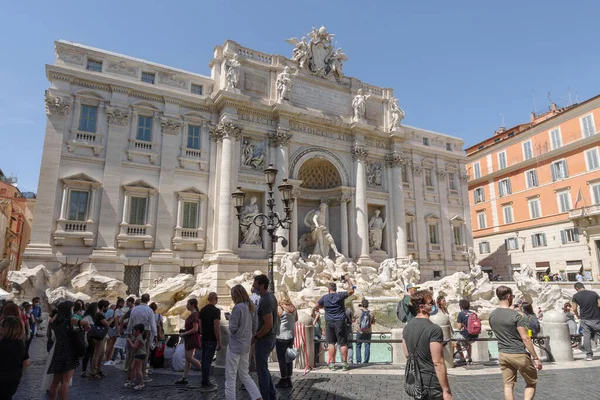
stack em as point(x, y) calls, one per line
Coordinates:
point(409, 310)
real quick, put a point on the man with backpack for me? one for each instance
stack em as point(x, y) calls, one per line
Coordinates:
point(515, 348)
point(468, 327)
point(405, 310)
point(365, 322)
point(425, 375)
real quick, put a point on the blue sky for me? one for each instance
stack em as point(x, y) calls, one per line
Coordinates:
point(454, 65)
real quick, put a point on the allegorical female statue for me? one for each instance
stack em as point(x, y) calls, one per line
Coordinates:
point(250, 234)
point(359, 106)
point(376, 225)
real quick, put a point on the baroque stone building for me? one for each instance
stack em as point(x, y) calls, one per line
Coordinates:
point(140, 161)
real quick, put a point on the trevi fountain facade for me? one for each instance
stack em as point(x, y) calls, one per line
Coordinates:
point(140, 161)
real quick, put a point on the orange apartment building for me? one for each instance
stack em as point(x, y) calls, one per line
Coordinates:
point(16, 217)
point(534, 192)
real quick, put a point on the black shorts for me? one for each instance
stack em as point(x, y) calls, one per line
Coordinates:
point(337, 332)
point(140, 357)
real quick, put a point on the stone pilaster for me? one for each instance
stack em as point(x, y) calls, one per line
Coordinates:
point(420, 225)
point(395, 161)
point(104, 255)
point(359, 154)
point(49, 193)
point(445, 227)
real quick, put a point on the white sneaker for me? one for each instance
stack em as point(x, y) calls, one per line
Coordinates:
point(109, 362)
point(589, 359)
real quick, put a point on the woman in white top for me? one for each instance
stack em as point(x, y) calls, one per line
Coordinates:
point(242, 323)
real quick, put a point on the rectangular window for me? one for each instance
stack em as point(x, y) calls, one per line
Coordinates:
point(437, 274)
point(409, 232)
point(532, 178)
point(433, 234)
point(587, 126)
point(591, 159)
point(504, 187)
point(132, 276)
point(95, 66)
point(596, 193)
point(478, 195)
point(87, 119)
point(144, 128)
point(570, 235)
point(527, 150)
point(507, 211)
point(564, 201)
point(449, 146)
point(428, 177)
point(484, 247)
point(559, 170)
point(538, 239)
point(502, 160)
point(426, 141)
point(193, 140)
point(404, 171)
point(78, 204)
point(477, 170)
point(511, 243)
point(148, 77)
point(481, 220)
point(190, 215)
point(453, 181)
point(534, 208)
point(457, 235)
point(555, 139)
point(137, 210)
point(196, 89)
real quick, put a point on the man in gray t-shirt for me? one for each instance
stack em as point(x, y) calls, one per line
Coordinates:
point(515, 347)
point(586, 307)
point(264, 338)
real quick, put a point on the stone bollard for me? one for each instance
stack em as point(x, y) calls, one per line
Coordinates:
point(555, 326)
point(443, 322)
point(479, 350)
point(397, 348)
point(222, 354)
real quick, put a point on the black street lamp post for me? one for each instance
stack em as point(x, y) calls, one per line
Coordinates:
point(270, 221)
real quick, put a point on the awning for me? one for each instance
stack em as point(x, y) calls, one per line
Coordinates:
point(541, 269)
point(573, 268)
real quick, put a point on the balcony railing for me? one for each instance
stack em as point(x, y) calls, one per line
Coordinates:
point(142, 145)
point(135, 230)
point(411, 246)
point(75, 227)
point(193, 153)
point(189, 233)
point(434, 247)
point(85, 136)
point(585, 211)
point(460, 248)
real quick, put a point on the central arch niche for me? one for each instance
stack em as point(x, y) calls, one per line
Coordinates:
point(319, 173)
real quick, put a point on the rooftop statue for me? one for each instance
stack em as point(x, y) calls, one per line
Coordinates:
point(318, 54)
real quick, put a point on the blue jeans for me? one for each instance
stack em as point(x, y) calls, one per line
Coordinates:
point(363, 336)
point(263, 347)
point(208, 353)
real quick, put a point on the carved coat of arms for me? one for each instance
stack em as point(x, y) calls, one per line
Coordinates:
point(318, 54)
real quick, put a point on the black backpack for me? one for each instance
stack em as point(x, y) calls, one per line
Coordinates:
point(413, 383)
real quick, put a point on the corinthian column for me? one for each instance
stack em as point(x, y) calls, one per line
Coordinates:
point(359, 154)
point(227, 132)
point(280, 140)
point(344, 199)
point(395, 161)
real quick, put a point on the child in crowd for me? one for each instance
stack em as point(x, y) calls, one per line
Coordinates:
point(137, 346)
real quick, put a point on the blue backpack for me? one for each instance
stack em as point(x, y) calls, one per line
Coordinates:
point(365, 320)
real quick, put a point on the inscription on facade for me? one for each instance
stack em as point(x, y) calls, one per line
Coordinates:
point(257, 119)
point(380, 144)
point(311, 130)
point(256, 83)
point(318, 99)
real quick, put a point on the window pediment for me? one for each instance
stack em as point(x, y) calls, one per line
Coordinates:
point(81, 180)
point(141, 187)
point(190, 193)
point(432, 218)
point(457, 220)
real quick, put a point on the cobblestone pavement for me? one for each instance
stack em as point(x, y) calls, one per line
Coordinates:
point(555, 384)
